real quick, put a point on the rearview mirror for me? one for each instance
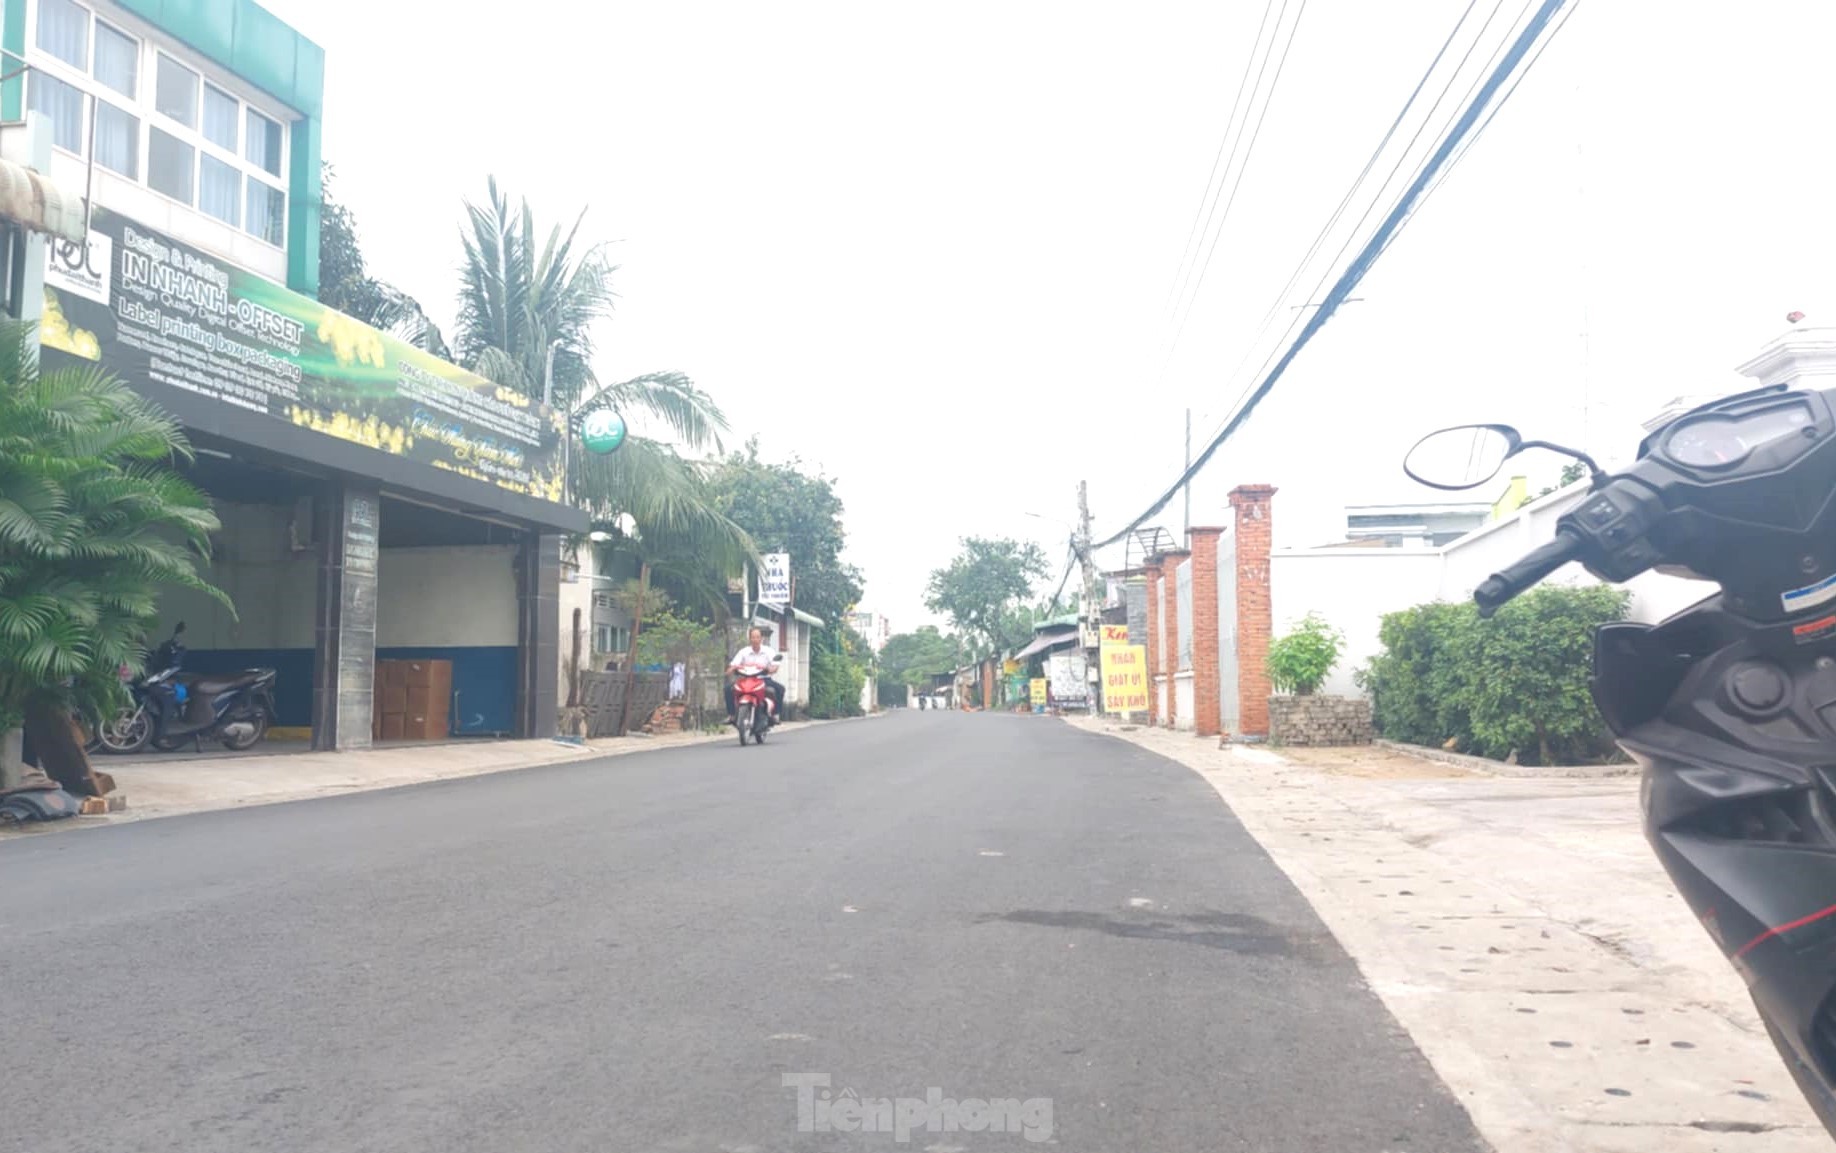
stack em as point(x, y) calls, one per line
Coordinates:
point(180, 630)
point(1462, 457)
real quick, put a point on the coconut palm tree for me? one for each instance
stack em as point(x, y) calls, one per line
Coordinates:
point(524, 297)
point(93, 522)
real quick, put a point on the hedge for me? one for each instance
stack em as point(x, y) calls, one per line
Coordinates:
point(1515, 683)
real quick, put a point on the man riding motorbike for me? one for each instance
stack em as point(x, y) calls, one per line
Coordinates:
point(756, 657)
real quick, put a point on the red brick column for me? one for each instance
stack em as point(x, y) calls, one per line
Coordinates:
point(988, 679)
point(1169, 649)
point(1208, 710)
point(1151, 566)
point(1254, 628)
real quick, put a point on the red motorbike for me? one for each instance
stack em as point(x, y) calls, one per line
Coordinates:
point(751, 708)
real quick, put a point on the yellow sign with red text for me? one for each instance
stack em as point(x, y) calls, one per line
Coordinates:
point(1125, 678)
point(1115, 634)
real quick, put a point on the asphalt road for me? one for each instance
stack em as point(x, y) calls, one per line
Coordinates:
point(636, 954)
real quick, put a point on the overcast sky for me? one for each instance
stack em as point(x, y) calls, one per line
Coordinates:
point(929, 248)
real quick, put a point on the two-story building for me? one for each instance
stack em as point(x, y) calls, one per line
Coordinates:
point(376, 502)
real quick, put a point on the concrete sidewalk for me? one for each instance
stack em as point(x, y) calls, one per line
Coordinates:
point(163, 787)
point(1525, 935)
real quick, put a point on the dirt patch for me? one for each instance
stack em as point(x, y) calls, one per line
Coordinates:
point(1373, 763)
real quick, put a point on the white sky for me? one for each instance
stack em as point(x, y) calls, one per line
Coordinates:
point(929, 247)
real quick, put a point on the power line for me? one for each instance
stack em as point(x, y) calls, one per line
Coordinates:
point(1248, 153)
point(1205, 195)
point(1348, 280)
point(1352, 235)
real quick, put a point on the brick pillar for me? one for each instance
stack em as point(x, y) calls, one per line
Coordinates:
point(1151, 635)
point(1169, 571)
point(1208, 712)
point(988, 678)
point(1254, 628)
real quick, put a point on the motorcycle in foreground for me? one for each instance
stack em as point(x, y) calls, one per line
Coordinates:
point(1729, 705)
point(751, 708)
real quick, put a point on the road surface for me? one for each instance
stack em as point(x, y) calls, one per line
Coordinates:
point(1036, 937)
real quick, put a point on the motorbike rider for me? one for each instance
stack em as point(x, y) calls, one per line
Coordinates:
point(756, 657)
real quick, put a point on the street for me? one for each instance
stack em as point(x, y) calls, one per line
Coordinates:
point(636, 954)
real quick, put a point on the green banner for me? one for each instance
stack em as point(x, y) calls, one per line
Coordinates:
point(172, 320)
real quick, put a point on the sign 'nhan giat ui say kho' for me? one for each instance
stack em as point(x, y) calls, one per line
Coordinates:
point(174, 322)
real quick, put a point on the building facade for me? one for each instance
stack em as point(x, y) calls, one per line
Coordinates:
point(376, 501)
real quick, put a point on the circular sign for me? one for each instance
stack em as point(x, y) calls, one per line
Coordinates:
point(603, 431)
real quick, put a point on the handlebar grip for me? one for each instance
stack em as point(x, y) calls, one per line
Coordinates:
point(1530, 568)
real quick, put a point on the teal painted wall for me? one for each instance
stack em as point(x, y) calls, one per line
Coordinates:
point(12, 39)
point(253, 43)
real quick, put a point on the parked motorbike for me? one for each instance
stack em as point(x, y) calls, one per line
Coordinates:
point(1729, 705)
point(751, 708)
point(132, 728)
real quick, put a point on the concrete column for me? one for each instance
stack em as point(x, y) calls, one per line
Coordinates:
point(344, 636)
point(1207, 708)
point(1255, 629)
point(1169, 647)
point(538, 616)
point(1151, 635)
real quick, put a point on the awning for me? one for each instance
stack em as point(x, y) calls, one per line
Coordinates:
point(1045, 641)
point(31, 199)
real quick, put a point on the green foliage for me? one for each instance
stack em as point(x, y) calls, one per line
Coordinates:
point(912, 659)
point(93, 523)
point(1573, 471)
point(791, 508)
point(982, 589)
point(1300, 661)
point(345, 282)
point(836, 677)
point(1517, 682)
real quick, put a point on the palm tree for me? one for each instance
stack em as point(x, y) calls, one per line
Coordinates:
point(523, 297)
point(93, 522)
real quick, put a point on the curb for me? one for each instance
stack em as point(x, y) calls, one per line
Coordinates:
point(1493, 768)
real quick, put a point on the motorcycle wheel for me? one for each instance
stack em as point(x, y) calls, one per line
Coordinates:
point(1816, 1092)
point(745, 724)
point(128, 732)
point(259, 719)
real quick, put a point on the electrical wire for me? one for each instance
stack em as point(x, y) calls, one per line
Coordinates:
point(1349, 279)
point(1192, 232)
point(1300, 317)
point(1223, 220)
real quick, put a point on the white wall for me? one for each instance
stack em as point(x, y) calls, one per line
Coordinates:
point(1354, 588)
point(446, 597)
point(273, 587)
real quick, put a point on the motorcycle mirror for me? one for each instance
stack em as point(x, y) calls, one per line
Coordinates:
point(1462, 457)
point(179, 631)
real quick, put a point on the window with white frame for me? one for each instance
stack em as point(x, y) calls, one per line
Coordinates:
point(153, 118)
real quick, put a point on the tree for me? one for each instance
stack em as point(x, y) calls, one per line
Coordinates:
point(346, 284)
point(523, 295)
point(1300, 661)
point(978, 590)
point(787, 507)
point(93, 522)
point(912, 659)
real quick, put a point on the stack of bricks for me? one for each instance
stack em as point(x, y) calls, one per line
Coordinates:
point(1315, 721)
point(667, 718)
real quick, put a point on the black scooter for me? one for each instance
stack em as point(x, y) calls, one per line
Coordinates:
point(1730, 704)
point(235, 709)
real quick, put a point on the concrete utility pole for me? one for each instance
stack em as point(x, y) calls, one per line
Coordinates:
point(1093, 605)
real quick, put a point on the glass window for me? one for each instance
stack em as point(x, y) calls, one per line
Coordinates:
point(117, 60)
point(117, 140)
point(219, 189)
point(176, 92)
point(170, 165)
point(63, 31)
point(62, 104)
point(264, 143)
point(267, 213)
point(221, 112)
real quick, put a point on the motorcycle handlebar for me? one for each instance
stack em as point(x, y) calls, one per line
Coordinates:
point(1530, 568)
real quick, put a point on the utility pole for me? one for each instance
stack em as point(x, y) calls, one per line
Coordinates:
point(1187, 533)
point(1093, 608)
